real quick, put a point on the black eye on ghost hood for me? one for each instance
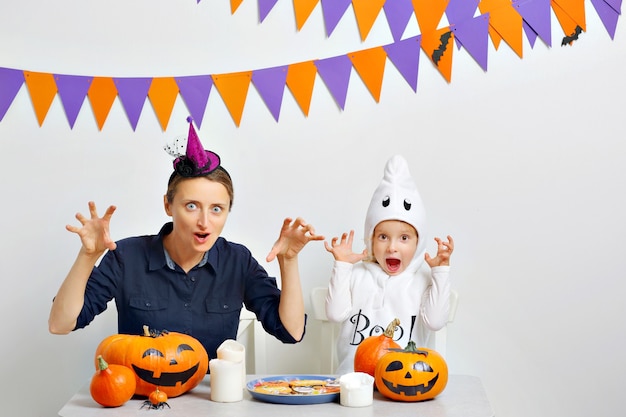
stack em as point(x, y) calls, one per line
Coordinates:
point(387, 200)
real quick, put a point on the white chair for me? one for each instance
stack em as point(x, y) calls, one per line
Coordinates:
point(328, 333)
point(252, 335)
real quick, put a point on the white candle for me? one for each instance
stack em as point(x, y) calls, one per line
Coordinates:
point(233, 351)
point(356, 389)
point(225, 380)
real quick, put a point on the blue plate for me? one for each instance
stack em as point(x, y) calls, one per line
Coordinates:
point(305, 396)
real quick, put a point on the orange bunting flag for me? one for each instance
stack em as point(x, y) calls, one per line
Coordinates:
point(42, 89)
point(505, 21)
point(302, 10)
point(571, 17)
point(439, 46)
point(102, 94)
point(162, 94)
point(366, 12)
point(370, 65)
point(429, 13)
point(233, 89)
point(234, 5)
point(300, 81)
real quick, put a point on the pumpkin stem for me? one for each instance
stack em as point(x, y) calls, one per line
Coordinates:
point(411, 347)
point(392, 327)
point(102, 364)
point(146, 330)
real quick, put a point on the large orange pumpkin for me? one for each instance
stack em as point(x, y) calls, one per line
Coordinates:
point(373, 348)
point(173, 362)
point(411, 374)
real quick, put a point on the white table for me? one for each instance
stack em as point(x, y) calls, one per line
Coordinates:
point(464, 396)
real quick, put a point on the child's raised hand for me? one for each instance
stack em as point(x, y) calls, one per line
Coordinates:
point(444, 251)
point(94, 233)
point(294, 235)
point(342, 250)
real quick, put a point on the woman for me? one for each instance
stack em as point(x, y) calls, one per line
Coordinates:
point(187, 278)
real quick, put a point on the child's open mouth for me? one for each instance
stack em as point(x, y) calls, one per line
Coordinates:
point(393, 265)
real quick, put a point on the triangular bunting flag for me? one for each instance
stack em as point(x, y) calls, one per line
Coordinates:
point(429, 13)
point(233, 89)
point(132, 93)
point(575, 9)
point(195, 90)
point(102, 93)
point(366, 12)
point(72, 91)
point(300, 80)
point(405, 56)
point(537, 14)
point(10, 83)
point(335, 72)
point(265, 6)
point(398, 14)
point(473, 34)
point(571, 29)
point(234, 5)
point(438, 45)
point(333, 11)
point(42, 89)
point(370, 65)
point(615, 5)
point(459, 10)
point(531, 35)
point(506, 21)
point(608, 15)
point(162, 94)
point(303, 9)
point(270, 83)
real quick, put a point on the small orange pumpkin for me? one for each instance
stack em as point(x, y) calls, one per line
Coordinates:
point(174, 362)
point(373, 348)
point(112, 385)
point(411, 374)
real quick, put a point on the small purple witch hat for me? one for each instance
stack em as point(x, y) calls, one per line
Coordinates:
point(196, 161)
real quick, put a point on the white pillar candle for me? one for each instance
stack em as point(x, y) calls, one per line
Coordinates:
point(225, 381)
point(233, 351)
point(356, 389)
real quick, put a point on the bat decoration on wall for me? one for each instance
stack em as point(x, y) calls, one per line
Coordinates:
point(438, 53)
point(573, 37)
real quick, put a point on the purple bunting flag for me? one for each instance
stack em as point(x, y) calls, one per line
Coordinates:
point(608, 15)
point(270, 83)
point(265, 6)
point(333, 11)
point(459, 10)
point(473, 34)
point(335, 72)
point(398, 13)
point(531, 35)
point(72, 91)
point(537, 14)
point(195, 91)
point(10, 83)
point(132, 92)
point(405, 55)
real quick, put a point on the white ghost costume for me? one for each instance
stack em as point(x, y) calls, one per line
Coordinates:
point(364, 299)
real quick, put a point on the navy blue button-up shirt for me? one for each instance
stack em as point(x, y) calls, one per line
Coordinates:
point(204, 303)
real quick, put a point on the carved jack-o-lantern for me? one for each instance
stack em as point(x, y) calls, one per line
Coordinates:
point(411, 374)
point(173, 362)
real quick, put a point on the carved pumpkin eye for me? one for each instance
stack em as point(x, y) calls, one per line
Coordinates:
point(152, 352)
point(422, 367)
point(394, 366)
point(183, 347)
point(407, 204)
point(386, 201)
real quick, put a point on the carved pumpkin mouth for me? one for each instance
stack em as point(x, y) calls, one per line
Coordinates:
point(167, 379)
point(411, 390)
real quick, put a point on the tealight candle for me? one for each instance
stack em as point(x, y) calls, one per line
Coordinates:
point(225, 381)
point(233, 351)
point(356, 389)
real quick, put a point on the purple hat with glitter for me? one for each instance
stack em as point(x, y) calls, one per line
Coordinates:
point(196, 161)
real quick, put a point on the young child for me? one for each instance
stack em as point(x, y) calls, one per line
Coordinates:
point(389, 279)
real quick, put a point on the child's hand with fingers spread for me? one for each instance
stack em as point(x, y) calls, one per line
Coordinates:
point(342, 250)
point(444, 251)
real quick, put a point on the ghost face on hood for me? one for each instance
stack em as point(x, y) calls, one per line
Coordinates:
point(396, 198)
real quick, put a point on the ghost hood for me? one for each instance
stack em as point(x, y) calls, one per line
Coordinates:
point(397, 198)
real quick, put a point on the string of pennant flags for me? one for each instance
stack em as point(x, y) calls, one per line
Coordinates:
point(471, 25)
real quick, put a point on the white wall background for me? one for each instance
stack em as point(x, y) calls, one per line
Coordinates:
point(523, 165)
